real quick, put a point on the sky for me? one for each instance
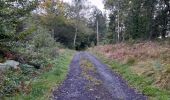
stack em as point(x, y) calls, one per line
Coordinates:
point(97, 3)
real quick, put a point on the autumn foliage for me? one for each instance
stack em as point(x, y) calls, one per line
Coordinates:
point(149, 59)
point(139, 51)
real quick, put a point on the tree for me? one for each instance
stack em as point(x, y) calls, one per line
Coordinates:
point(12, 13)
point(139, 19)
point(64, 20)
point(78, 7)
point(119, 9)
point(162, 19)
point(112, 28)
point(97, 22)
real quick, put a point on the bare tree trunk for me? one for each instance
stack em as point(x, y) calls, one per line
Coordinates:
point(118, 34)
point(97, 30)
point(75, 37)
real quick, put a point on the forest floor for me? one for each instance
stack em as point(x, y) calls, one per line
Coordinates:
point(90, 79)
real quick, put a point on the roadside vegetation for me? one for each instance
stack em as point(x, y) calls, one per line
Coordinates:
point(29, 83)
point(35, 36)
point(144, 65)
point(88, 70)
point(41, 86)
point(43, 65)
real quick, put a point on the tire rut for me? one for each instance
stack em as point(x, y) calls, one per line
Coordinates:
point(80, 83)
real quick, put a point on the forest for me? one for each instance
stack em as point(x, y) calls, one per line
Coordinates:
point(39, 39)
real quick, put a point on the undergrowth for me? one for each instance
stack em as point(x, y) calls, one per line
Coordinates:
point(38, 85)
point(149, 59)
point(141, 83)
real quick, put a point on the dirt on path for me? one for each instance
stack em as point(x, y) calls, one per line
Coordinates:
point(89, 79)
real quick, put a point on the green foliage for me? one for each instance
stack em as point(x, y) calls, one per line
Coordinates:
point(138, 19)
point(40, 48)
point(11, 80)
point(12, 15)
point(43, 84)
point(22, 35)
point(65, 21)
point(42, 38)
point(28, 82)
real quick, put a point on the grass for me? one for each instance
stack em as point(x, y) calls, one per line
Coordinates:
point(148, 58)
point(86, 65)
point(141, 83)
point(43, 85)
point(87, 69)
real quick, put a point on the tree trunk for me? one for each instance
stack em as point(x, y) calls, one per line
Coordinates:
point(75, 37)
point(118, 34)
point(97, 30)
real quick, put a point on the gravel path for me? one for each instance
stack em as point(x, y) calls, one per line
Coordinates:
point(98, 84)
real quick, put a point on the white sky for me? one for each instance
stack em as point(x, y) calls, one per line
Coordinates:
point(97, 3)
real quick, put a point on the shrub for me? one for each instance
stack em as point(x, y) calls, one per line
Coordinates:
point(43, 38)
point(13, 81)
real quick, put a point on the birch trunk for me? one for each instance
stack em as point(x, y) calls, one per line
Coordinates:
point(118, 26)
point(75, 37)
point(97, 30)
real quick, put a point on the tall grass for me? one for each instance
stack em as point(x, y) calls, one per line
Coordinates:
point(141, 83)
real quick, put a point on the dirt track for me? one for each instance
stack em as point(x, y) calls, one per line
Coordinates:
point(102, 84)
